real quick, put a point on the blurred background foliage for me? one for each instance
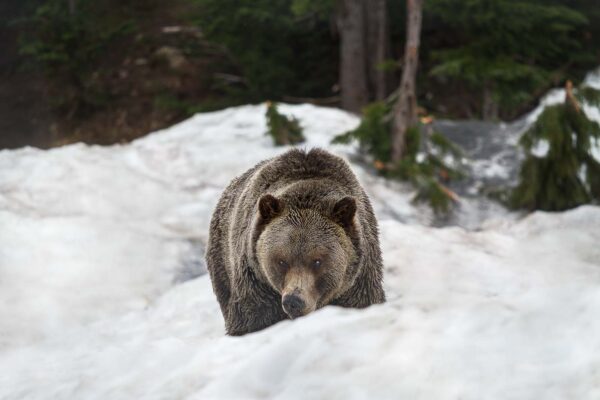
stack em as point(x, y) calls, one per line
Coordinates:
point(111, 70)
point(508, 50)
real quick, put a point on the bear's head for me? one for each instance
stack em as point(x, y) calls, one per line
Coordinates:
point(306, 255)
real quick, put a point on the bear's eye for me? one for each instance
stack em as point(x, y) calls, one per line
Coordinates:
point(282, 264)
point(316, 263)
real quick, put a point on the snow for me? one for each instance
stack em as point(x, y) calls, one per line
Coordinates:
point(595, 148)
point(103, 292)
point(553, 97)
point(582, 175)
point(557, 96)
point(493, 167)
point(592, 79)
point(540, 148)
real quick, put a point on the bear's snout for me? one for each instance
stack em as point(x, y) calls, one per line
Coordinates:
point(293, 305)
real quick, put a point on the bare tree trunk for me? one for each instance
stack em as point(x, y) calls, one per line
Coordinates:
point(405, 111)
point(378, 44)
point(353, 74)
point(72, 7)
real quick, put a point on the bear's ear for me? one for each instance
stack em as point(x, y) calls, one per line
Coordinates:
point(269, 207)
point(343, 211)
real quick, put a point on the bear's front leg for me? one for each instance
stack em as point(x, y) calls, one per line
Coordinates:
point(246, 315)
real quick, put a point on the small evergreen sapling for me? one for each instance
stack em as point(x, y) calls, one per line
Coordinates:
point(282, 129)
point(429, 162)
point(562, 165)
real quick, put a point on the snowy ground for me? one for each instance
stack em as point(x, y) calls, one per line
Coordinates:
point(102, 292)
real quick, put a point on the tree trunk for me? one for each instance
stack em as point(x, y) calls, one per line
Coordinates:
point(353, 72)
point(378, 45)
point(405, 111)
point(72, 7)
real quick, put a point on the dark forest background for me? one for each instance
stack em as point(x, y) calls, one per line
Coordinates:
point(109, 71)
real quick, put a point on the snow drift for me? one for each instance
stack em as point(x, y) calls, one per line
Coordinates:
point(103, 292)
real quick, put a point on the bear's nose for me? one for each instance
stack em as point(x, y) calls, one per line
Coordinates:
point(293, 305)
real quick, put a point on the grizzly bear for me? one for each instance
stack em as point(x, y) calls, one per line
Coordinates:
point(291, 235)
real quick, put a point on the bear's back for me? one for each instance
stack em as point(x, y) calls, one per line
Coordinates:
point(296, 165)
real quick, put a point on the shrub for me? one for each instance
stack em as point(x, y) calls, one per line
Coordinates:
point(282, 129)
point(430, 159)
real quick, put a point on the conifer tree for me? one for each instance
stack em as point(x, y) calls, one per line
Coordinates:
point(562, 165)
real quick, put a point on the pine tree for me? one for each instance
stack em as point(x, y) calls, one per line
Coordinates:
point(562, 165)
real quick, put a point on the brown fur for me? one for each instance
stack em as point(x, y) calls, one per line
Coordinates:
point(272, 224)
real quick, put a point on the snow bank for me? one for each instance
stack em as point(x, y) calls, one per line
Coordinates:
point(102, 293)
